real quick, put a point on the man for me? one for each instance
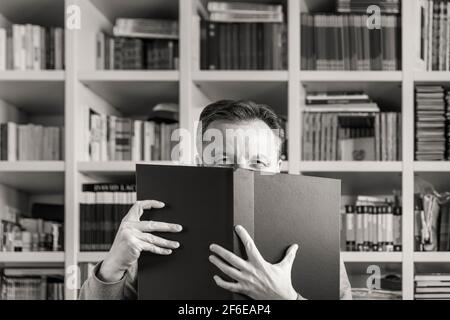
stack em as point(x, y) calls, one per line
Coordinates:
point(116, 276)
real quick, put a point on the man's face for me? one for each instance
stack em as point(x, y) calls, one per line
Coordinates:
point(250, 145)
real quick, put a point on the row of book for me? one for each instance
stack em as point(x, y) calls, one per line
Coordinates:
point(432, 141)
point(360, 6)
point(432, 286)
point(348, 126)
point(120, 53)
point(243, 46)
point(372, 227)
point(345, 42)
point(220, 11)
point(431, 223)
point(122, 139)
point(435, 35)
point(41, 230)
point(32, 284)
point(102, 208)
point(30, 142)
point(31, 47)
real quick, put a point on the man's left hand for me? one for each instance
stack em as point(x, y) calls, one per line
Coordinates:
point(255, 277)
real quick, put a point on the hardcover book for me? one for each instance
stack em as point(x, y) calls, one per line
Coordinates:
point(277, 211)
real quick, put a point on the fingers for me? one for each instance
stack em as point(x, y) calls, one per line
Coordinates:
point(228, 256)
point(226, 269)
point(149, 247)
point(230, 286)
point(289, 258)
point(158, 241)
point(136, 211)
point(250, 247)
point(156, 226)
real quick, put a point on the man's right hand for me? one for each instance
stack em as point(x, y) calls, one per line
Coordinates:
point(133, 237)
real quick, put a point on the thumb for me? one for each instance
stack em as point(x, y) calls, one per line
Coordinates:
point(289, 258)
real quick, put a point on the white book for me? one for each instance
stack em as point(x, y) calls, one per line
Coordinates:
point(16, 46)
point(3, 50)
point(433, 277)
point(104, 138)
point(433, 290)
point(432, 295)
point(447, 50)
point(36, 48)
point(43, 49)
point(430, 34)
point(12, 141)
point(28, 47)
point(136, 141)
point(433, 284)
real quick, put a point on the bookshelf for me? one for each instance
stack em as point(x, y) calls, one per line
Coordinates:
point(64, 93)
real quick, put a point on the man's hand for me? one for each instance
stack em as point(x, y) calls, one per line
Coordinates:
point(135, 236)
point(255, 277)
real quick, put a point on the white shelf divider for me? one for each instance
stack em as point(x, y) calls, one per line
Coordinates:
point(443, 257)
point(369, 257)
point(32, 166)
point(345, 166)
point(132, 76)
point(91, 257)
point(351, 76)
point(31, 257)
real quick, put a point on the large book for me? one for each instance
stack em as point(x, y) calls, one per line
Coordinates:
point(266, 205)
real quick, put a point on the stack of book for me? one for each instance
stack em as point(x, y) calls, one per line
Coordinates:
point(243, 36)
point(360, 6)
point(30, 142)
point(123, 139)
point(348, 126)
point(25, 233)
point(344, 42)
point(435, 286)
point(372, 224)
point(435, 35)
point(447, 118)
point(32, 284)
point(31, 47)
point(139, 44)
point(431, 228)
point(430, 123)
point(366, 294)
point(102, 208)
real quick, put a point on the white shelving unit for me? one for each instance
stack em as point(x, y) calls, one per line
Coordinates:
point(65, 93)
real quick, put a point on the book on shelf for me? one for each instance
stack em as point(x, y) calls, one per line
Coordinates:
point(102, 208)
point(245, 12)
point(431, 223)
point(31, 47)
point(129, 53)
point(431, 140)
point(33, 142)
point(20, 232)
point(32, 284)
point(360, 6)
point(372, 224)
point(236, 37)
point(146, 28)
point(432, 286)
point(434, 44)
point(349, 127)
point(113, 138)
point(345, 42)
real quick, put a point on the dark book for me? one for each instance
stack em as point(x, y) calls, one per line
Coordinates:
point(266, 205)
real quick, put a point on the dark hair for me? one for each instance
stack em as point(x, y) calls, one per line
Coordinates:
point(242, 110)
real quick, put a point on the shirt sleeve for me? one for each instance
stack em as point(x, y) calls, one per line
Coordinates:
point(345, 287)
point(124, 289)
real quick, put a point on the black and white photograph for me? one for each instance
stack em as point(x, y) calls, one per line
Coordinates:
point(219, 155)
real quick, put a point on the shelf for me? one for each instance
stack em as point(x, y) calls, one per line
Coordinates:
point(160, 9)
point(432, 166)
point(371, 256)
point(32, 166)
point(133, 92)
point(86, 257)
point(432, 76)
point(35, 92)
point(31, 257)
point(337, 166)
point(432, 257)
point(131, 76)
point(240, 76)
point(36, 177)
point(42, 12)
point(28, 76)
point(351, 76)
